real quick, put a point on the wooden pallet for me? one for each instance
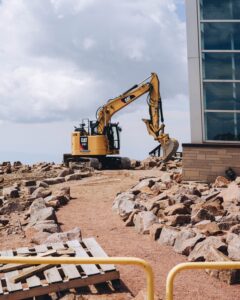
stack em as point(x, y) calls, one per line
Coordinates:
point(57, 278)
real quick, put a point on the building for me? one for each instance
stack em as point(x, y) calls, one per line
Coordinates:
point(213, 35)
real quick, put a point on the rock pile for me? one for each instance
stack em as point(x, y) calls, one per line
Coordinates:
point(153, 162)
point(199, 220)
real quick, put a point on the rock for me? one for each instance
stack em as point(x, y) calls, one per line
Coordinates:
point(231, 194)
point(129, 221)
point(201, 250)
point(42, 184)
point(46, 226)
point(176, 220)
point(74, 234)
point(55, 180)
point(124, 204)
point(3, 220)
point(211, 195)
point(10, 192)
point(235, 229)
point(234, 247)
point(37, 205)
point(148, 182)
point(76, 176)
point(186, 241)
point(47, 213)
point(28, 182)
point(29, 189)
point(200, 215)
point(65, 172)
point(155, 230)
point(166, 177)
point(208, 228)
point(143, 221)
point(168, 236)
point(38, 237)
point(177, 209)
point(12, 207)
point(85, 174)
point(41, 193)
point(228, 276)
point(221, 182)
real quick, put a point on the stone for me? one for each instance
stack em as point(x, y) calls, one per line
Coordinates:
point(37, 205)
point(168, 236)
point(208, 228)
point(38, 237)
point(65, 172)
point(200, 251)
point(200, 215)
point(178, 220)
point(76, 176)
point(4, 220)
point(47, 227)
point(12, 207)
point(143, 220)
point(129, 222)
point(221, 182)
point(231, 194)
point(234, 247)
point(28, 182)
point(211, 195)
point(10, 192)
point(47, 213)
point(85, 174)
point(186, 241)
point(41, 193)
point(56, 180)
point(148, 182)
point(177, 209)
point(124, 204)
point(74, 234)
point(155, 230)
point(235, 229)
point(42, 184)
point(29, 189)
point(228, 276)
point(166, 177)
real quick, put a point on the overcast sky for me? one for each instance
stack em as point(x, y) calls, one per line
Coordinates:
point(62, 59)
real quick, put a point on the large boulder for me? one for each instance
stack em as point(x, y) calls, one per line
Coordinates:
point(76, 176)
point(231, 194)
point(186, 241)
point(177, 209)
point(143, 221)
point(55, 180)
point(201, 250)
point(200, 215)
point(41, 193)
point(234, 247)
point(168, 236)
point(177, 220)
point(124, 204)
point(74, 234)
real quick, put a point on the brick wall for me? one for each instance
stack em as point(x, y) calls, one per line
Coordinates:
point(205, 162)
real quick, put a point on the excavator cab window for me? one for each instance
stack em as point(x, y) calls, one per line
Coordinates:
point(113, 136)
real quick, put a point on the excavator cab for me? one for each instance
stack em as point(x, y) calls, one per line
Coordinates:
point(113, 136)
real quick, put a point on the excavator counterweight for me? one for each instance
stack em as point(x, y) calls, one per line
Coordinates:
point(97, 142)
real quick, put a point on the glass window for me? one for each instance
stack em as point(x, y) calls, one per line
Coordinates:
point(225, 96)
point(221, 36)
point(220, 9)
point(217, 66)
point(222, 126)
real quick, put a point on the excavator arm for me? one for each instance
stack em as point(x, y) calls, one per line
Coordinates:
point(105, 113)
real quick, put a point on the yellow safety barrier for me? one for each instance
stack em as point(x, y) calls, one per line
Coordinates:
point(193, 266)
point(91, 260)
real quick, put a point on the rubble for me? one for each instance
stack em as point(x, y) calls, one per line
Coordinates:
point(192, 217)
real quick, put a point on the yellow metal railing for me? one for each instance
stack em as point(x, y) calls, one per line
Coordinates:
point(193, 266)
point(91, 260)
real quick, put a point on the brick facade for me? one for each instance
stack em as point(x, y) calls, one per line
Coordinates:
point(204, 162)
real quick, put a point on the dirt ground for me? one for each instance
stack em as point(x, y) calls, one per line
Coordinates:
point(91, 210)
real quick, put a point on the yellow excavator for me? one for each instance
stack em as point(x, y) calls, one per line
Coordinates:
point(97, 142)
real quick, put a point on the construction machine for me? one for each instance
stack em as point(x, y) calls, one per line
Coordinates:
point(98, 142)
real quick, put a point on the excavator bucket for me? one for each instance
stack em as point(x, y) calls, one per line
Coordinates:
point(169, 149)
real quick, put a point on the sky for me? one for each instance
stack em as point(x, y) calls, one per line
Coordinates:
point(62, 59)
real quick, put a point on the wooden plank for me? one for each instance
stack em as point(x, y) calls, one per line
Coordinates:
point(52, 275)
point(80, 252)
point(55, 287)
point(33, 281)
point(70, 271)
point(30, 272)
point(11, 286)
point(97, 251)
